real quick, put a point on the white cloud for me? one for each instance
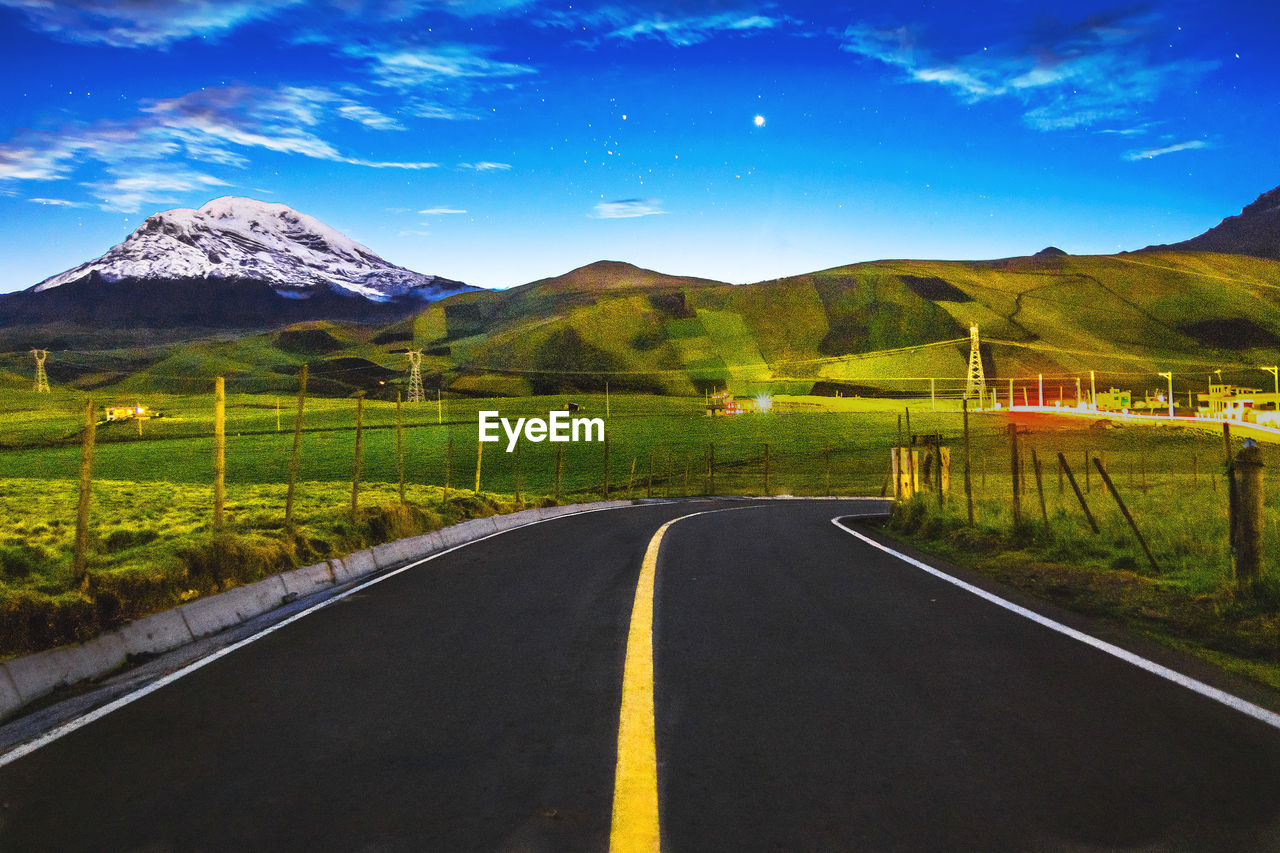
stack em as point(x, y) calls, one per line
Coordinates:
point(142, 23)
point(1067, 77)
point(440, 211)
point(58, 202)
point(486, 166)
point(687, 31)
point(214, 126)
point(129, 192)
point(1151, 153)
point(628, 208)
point(406, 68)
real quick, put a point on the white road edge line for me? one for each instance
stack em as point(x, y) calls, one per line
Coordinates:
point(115, 705)
point(1231, 701)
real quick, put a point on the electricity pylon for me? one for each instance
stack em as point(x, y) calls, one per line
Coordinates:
point(415, 376)
point(976, 386)
point(42, 378)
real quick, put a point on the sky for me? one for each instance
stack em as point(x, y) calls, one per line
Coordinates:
point(497, 142)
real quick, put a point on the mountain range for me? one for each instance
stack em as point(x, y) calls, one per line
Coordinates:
point(866, 328)
point(235, 262)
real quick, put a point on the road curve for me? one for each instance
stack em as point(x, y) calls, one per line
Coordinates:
point(810, 693)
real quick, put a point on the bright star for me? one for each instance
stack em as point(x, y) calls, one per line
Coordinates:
point(759, 121)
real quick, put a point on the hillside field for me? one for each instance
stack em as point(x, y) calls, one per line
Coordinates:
point(884, 328)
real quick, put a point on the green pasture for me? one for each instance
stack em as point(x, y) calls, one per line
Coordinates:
point(150, 514)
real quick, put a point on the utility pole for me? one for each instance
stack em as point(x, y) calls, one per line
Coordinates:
point(1169, 376)
point(1093, 391)
point(1010, 393)
point(1077, 392)
point(933, 397)
point(976, 384)
point(1040, 379)
point(1275, 374)
point(42, 378)
point(415, 376)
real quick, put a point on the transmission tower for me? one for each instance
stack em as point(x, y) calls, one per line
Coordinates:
point(42, 378)
point(415, 376)
point(976, 386)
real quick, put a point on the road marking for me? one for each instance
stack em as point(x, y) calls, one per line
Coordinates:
point(1231, 701)
point(115, 705)
point(80, 722)
point(635, 787)
point(635, 827)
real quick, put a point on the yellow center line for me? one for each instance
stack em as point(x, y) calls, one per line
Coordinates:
point(635, 788)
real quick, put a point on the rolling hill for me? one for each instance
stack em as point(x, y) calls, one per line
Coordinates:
point(882, 327)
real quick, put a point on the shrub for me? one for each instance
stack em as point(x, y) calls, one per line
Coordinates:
point(20, 561)
point(127, 537)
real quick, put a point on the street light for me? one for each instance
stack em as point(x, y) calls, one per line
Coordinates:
point(1169, 376)
point(1275, 373)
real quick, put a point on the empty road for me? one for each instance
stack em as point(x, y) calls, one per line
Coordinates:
point(808, 692)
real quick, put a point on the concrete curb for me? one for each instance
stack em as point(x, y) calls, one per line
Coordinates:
point(25, 679)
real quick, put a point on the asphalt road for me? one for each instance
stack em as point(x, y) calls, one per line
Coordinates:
point(811, 693)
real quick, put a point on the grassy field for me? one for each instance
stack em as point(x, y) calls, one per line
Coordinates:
point(153, 545)
point(1179, 504)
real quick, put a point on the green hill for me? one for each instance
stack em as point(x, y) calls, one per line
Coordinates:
point(879, 327)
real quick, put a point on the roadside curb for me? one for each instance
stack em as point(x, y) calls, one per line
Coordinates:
point(25, 679)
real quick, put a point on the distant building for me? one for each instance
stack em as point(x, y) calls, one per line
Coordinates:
point(125, 413)
point(723, 403)
point(1114, 400)
point(1230, 402)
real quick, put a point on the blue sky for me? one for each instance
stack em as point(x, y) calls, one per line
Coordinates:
point(500, 141)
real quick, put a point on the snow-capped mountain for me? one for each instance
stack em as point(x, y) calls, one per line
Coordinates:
point(242, 239)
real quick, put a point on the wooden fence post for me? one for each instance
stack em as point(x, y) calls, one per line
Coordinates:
point(711, 468)
point(1124, 510)
point(219, 451)
point(1232, 515)
point(911, 457)
point(1015, 473)
point(826, 469)
point(79, 565)
point(520, 475)
point(968, 484)
point(766, 469)
point(479, 459)
point(631, 479)
point(559, 491)
point(1075, 487)
point(937, 474)
point(448, 467)
point(1249, 524)
point(648, 488)
point(606, 466)
point(359, 455)
point(295, 455)
point(400, 448)
point(1035, 466)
